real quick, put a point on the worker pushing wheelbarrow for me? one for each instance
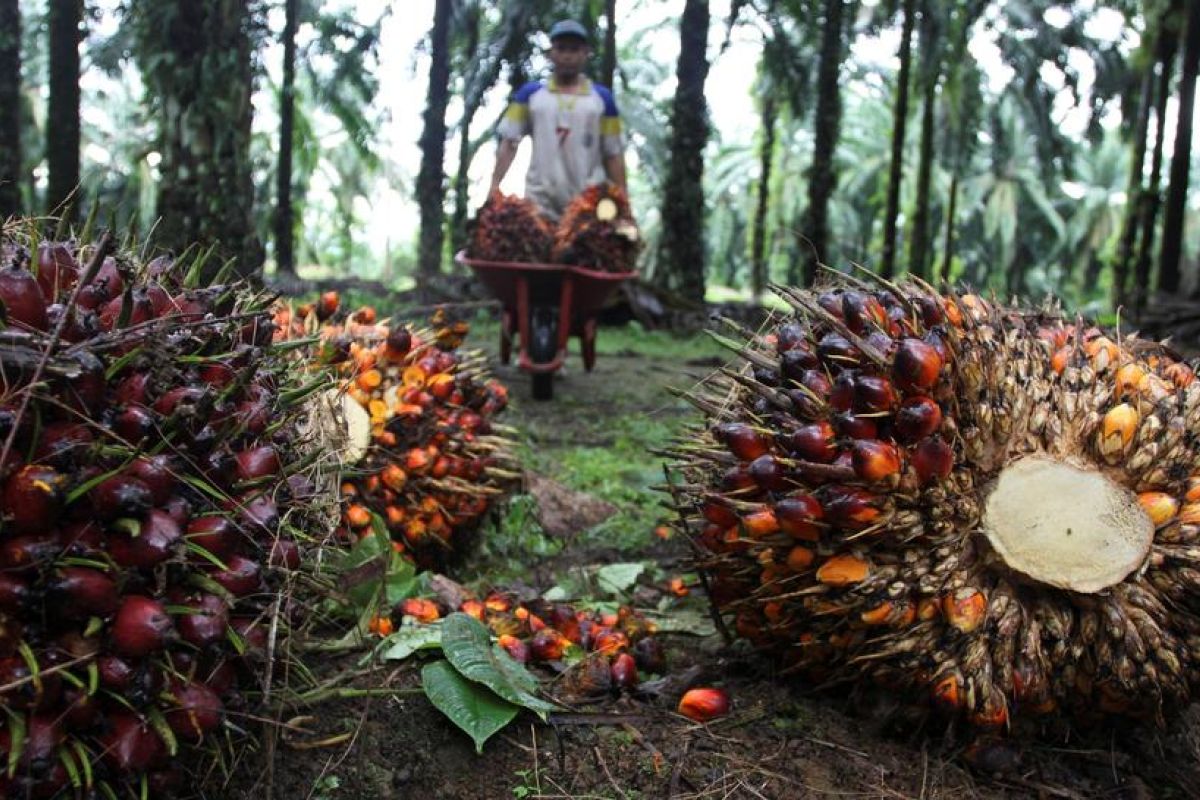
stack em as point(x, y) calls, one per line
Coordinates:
point(577, 181)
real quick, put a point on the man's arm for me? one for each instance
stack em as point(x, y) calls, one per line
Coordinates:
point(505, 153)
point(614, 168)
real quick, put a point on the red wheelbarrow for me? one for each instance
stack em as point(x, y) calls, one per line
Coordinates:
point(546, 304)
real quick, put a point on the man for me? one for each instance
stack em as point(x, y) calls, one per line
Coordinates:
point(574, 125)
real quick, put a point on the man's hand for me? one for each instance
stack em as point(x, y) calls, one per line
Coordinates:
point(505, 153)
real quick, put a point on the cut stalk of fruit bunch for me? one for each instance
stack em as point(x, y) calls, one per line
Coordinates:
point(424, 459)
point(144, 495)
point(993, 508)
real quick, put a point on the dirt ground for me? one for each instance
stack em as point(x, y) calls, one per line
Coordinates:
point(781, 741)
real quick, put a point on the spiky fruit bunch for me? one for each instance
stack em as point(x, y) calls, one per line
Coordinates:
point(153, 492)
point(993, 508)
point(607, 649)
point(510, 228)
point(427, 460)
point(597, 231)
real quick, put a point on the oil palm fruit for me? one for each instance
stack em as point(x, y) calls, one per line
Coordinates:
point(509, 228)
point(427, 458)
point(993, 508)
point(141, 497)
point(597, 231)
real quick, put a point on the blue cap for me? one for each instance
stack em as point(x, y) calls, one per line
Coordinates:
point(568, 27)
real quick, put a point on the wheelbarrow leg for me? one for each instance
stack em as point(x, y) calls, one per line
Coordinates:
point(587, 344)
point(506, 334)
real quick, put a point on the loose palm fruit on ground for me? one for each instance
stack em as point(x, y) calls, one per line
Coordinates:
point(597, 231)
point(509, 228)
point(1015, 534)
point(427, 458)
point(139, 506)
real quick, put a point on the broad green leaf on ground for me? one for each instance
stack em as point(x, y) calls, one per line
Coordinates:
point(411, 637)
point(619, 578)
point(468, 646)
point(472, 707)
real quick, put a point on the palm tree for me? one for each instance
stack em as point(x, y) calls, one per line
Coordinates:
point(62, 119)
point(285, 220)
point(1169, 272)
point(10, 108)
point(888, 264)
point(431, 189)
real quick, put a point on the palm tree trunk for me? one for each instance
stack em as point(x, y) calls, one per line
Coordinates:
point(1152, 197)
point(206, 193)
point(458, 218)
point(948, 247)
point(10, 108)
point(285, 226)
point(888, 267)
point(918, 252)
point(1123, 260)
point(1169, 269)
point(681, 248)
point(62, 116)
point(608, 62)
point(758, 244)
point(822, 178)
point(431, 190)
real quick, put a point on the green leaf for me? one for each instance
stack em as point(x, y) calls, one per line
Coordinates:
point(468, 646)
point(618, 578)
point(473, 708)
point(411, 637)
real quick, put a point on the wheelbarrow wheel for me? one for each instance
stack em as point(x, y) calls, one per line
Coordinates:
point(543, 386)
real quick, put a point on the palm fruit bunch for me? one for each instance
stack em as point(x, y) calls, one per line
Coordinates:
point(154, 493)
point(597, 231)
point(426, 457)
point(992, 508)
point(605, 650)
point(510, 228)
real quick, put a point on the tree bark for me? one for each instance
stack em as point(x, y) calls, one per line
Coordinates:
point(458, 219)
point(608, 63)
point(918, 252)
point(758, 244)
point(10, 108)
point(62, 116)
point(681, 250)
point(822, 178)
point(431, 189)
point(888, 267)
point(1172, 247)
point(948, 248)
point(1153, 196)
point(285, 225)
point(1133, 191)
point(206, 193)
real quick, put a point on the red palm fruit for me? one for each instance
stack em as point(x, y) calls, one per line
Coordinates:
point(24, 303)
point(284, 554)
point(257, 462)
point(43, 735)
point(745, 442)
point(841, 397)
point(257, 512)
point(139, 308)
point(241, 577)
point(27, 693)
point(917, 365)
point(853, 426)
point(768, 473)
point(108, 279)
point(217, 374)
point(157, 538)
point(115, 672)
point(917, 418)
point(737, 479)
point(873, 394)
point(704, 705)
point(836, 352)
point(399, 341)
point(82, 592)
point(813, 442)
point(134, 424)
point(420, 609)
point(253, 634)
point(517, 649)
point(548, 645)
point(610, 643)
point(831, 301)
point(796, 361)
point(161, 302)
point(33, 498)
point(132, 389)
point(178, 398)
point(158, 473)
point(218, 535)
point(15, 593)
point(789, 337)
point(862, 311)
point(327, 305)
point(932, 459)
point(624, 672)
point(77, 324)
point(80, 710)
point(875, 460)
point(849, 506)
point(718, 513)
point(798, 516)
point(649, 655)
point(141, 627)
point(198, 710)
point(206, 623)
point(29, 550)
point(57, 270)
point(128, 744)
point(178, 509)
point(120, 496)
point(817, 383)
point(62, 442)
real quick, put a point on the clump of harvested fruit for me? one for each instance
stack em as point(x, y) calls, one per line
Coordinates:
point(153, 501)
point(597, 230)
point(427, 459)
point(995, 509)
point(510, 228)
